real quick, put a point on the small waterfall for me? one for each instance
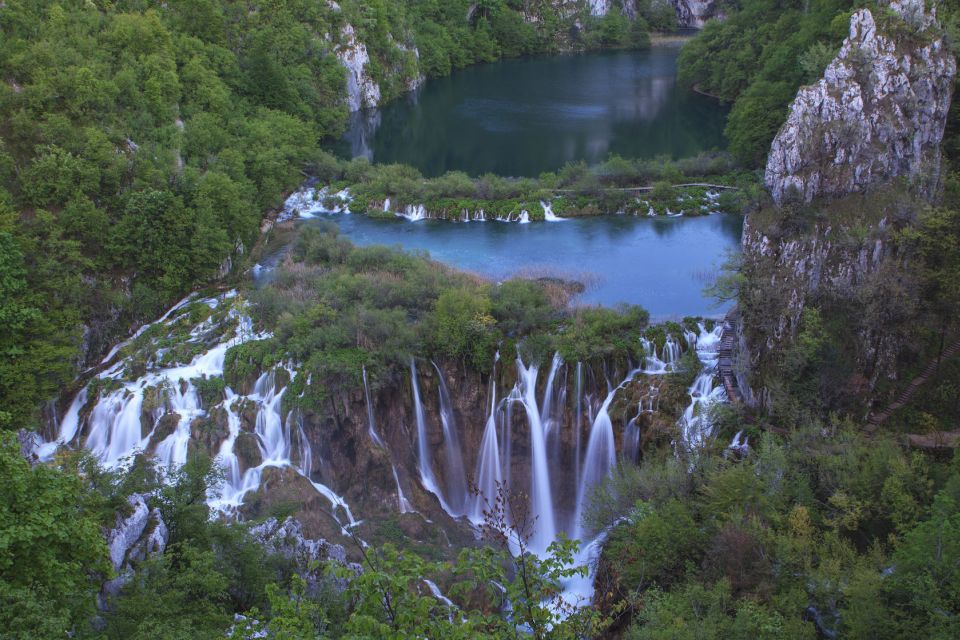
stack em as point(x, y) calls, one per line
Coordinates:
point(427, 477)
point(601, 455)
point(371, 423)
point(456, 493)
point(671, 351)
point(652, 365)
point(695, 426)
point(402, 503)
point(548, 413)
point(548, 214)
point(489, 470)
point(578, 422)
point(541, 498)
point(631, 441)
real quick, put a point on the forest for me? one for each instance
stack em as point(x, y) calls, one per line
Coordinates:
point(142, 146)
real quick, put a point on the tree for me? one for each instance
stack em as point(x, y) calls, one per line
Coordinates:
point(52, 554)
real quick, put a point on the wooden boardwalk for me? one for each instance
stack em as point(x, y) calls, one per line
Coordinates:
point(728, 356)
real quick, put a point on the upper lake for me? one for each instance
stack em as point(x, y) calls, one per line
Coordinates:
point(524, 116)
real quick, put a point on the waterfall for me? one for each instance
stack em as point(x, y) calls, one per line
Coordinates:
point(631, 441)
point(578, 421)
point(402, 503)
point(548, 214)
point(456, 479)
point(427, 477)
point(541, 498)
point(695, 424)
point(119, 426)
point(371, 423)
point(489, 472)
point(601, 455)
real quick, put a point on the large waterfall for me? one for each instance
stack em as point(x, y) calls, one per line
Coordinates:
point(564, 446)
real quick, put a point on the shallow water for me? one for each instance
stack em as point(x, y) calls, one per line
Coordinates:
point(521, 117)
point(662, 264)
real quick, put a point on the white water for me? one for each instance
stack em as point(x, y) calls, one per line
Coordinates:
point(456, 479)
point(548, 213)
point(489, 477)
point(601, 455)
point(427, 477)
point(541, 495)
point(371, 423)
point(695, 425)
point(117, 428)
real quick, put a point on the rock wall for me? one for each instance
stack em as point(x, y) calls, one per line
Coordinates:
point(694, 13)
point(690, 13)
point(878, 112)
point(363, 92)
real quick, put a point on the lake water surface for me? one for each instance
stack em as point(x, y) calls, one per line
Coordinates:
point(525, 116)
point(522, 117)
point(662, 264)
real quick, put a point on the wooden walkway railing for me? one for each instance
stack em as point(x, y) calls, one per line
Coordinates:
point(727, 356)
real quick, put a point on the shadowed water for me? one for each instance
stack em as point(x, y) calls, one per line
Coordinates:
point(522, 117)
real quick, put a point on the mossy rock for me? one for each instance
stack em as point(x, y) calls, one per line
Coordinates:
point(247, 449)
point(165, 426)
point(209, 431)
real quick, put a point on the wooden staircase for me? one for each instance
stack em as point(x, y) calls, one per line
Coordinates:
point(906, 396)
point(727, 356)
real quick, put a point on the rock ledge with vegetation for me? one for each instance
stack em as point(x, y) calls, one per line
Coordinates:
point(878, 112)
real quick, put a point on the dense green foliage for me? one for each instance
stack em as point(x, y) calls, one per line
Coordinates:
point(825, 527)
point(336, 309)
point(142, 141)
point(51, 549)
point(758, 57)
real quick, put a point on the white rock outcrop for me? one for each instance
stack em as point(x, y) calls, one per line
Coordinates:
point(363, 92)
point(694, 13)
point(878, 112)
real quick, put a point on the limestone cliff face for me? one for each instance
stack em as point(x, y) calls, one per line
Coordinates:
point(690, 13)
point(694, 13)
point(835, 263)
point(878, 112)
point(362, 90)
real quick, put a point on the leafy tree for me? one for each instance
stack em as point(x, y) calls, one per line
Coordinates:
point(54, 556)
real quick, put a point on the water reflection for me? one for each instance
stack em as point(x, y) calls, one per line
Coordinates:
point(522, 117)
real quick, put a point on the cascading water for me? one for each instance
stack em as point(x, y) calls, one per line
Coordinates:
point(402, 502)
point(427, 477)
point(541, 496)
point(117, 421)
point(456, 479)
point(489, 472)
point(578, 422)
point(371, 423)
point(695, 425)
point(601, 455)
point(631, 442)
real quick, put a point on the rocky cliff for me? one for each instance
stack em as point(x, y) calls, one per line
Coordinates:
point(690, 13)
point(878, 112)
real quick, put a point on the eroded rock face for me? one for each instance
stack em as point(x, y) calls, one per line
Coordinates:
point(136, 536)
point(288, 540)
point(362, 90)
point(690, 13)
point(694, 13)
point(879, 111)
